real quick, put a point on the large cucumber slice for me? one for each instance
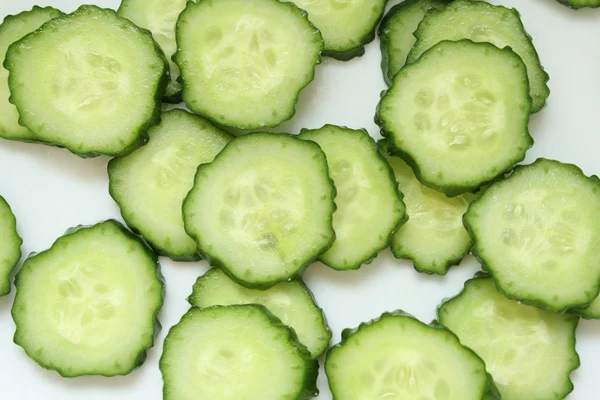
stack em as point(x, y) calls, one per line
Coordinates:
point(262, 209)
point(481, 21)
point(88, 305)
point(151, 183)
point(398, 357)
point(10, 246)
point(13, 28)
point(89, 81)
point(529, 352)
point(369, 206)
point(233, 353)
point(459, 115)
point(243, 63)
point(537, 233)
point(291, 302)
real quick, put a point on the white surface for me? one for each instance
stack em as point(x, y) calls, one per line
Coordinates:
point(51, 190)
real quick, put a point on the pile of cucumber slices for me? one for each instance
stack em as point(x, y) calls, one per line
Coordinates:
point(208, 181)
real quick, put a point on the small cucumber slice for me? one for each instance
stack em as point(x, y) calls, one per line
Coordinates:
point(396, 33)
point(291, 302)
point(151, 183)
point(13, 28)
point(369, 206)
point(481, 21)
point(346, 25)
point(88, 305)
point(262, 209)
point(235, 352)
point(159, 17)
point(537, 233)
point(459, 115)
point(580, 3)
point(89, 81)
point(243, 63)
point(434, 236)
point(397, 356)
point(529, 352)
point(10, 246)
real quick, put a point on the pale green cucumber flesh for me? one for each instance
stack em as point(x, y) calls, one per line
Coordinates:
point(88, 305)
point(235, 353)
point(151, 183)
point(537, 233)
point(10, 246)
point(369, 206)
point(529, 352)
point(592, 311)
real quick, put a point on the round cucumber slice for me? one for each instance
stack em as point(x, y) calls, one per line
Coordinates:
point(10, 246)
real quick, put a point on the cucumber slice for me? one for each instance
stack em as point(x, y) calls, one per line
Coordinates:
point(10, 247)
point(396, 356)
point(13, 28)
point(480, 21)
point(529, 352)
point(537, 233)
point(590, 312)
point(346, 26)
point(151, 183)
point(459, 115)
point(291, 302)
point(396, 33)
point(233, 353)
point(581, 3)
point(159, 17)
point(434, 236)
point(89, 81)
point(243, 63)
point(88, 305)
point(369, 206)
point(262, 209)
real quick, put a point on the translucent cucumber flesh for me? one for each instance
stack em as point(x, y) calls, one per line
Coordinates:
point(151, 183)
point(291, 302)
point(517, 342)
point(10, 246)
point(369, 208)
point(592, 311)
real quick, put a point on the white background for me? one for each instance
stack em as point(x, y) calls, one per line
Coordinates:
point(51, 190)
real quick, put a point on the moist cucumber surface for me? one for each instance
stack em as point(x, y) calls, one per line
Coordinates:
point(528, 351)
point(262, 209)
point(397, 356)
point(434, 236)
point(592, 311)
point(459, 115)
point(10, 246)
point(13, 28)
point(151, 183)
point(480, 21)
point(537, 233)
point(369, 206)
point(233, 353)
point(88, 305)
point(243, 63)
point(89, 81)
point(291, 302)
point(580, 3)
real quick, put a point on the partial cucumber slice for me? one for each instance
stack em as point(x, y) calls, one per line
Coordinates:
point(537, 233)
point(159, 17)
point(243, 63)
point(233, 353)
point(13, 28)
point(291, 302)
point(480, 21)
point(396, 33)
point(369, 206)
point(397, 356)
point(346, 25)
point(10, 246)
point(89, 81)
point(580, 3)
point(590, 312)
point(529, 352)
point(434, 236)
point(88, 305)
point(262, 209)
point(459, 115)
point(151, 183)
